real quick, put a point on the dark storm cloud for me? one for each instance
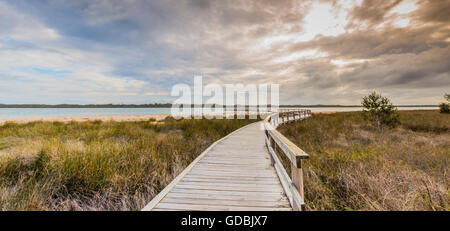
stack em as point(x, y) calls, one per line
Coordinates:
point(434, 11)
point(373, 11)
point(371, 44)
point(134, 50)
point(414, 57)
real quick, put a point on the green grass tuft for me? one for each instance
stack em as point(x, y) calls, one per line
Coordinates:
point(352, 166)
point(98, 165)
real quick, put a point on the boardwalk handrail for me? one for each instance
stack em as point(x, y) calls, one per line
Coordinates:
point(292, 186)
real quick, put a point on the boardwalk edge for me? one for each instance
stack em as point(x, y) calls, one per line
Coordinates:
point(177, 179)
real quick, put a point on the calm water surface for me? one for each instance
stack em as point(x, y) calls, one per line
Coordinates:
point(23, 112)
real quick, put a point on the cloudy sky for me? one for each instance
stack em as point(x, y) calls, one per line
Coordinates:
point(134, 51)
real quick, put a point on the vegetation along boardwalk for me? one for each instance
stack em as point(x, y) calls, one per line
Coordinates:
point(240, 172)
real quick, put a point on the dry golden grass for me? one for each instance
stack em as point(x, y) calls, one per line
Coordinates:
point(98, 165)
point(354, 167)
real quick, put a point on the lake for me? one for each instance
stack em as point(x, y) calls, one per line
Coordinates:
point(25, 112)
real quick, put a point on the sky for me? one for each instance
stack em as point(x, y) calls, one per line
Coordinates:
point(134, 51)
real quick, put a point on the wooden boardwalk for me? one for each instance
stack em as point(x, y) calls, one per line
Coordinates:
point(241, 171)
point(234, 174)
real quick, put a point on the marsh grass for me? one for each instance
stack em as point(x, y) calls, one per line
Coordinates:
point(98, 165)
point(352, 166)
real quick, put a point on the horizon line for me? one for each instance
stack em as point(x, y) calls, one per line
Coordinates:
point(165, 105)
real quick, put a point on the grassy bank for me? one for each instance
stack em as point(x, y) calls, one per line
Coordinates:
point(98, 165)
point(354, 167)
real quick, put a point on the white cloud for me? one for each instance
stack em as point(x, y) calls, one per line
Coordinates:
point(19, 26)
point(304, 54)
point(134, 51)
point(405, 7)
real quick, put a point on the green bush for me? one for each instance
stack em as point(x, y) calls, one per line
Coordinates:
point(445, 107)
point(380, 111)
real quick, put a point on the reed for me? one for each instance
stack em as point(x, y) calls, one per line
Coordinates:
point(353, 166)
point(98, 165)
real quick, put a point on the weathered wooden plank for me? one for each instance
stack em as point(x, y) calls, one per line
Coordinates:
point(211, 173)
point(193, 207)
point(232, 181)
point(241, 203)
point(223, 158)
point(229, 164)
point(229, 188)
point(231, 171)
point(229, 184)
point(230, 193)
point(249, 178)
point(238, 161)
point(234, 158)
point(224, 151)
point(244, 164)
point(229, 175)
point(221, 196)
point(167, 210)
point(233, 168)
point(236, 170)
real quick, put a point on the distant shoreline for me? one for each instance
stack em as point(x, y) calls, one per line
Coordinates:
point(166, 106)
point(129, 117)
point(80, 118)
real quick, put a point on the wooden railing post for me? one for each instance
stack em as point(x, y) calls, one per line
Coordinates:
point(271, 144)
point(297, 180)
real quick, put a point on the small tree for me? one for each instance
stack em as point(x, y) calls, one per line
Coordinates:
point(380, 111)
point(445, 107)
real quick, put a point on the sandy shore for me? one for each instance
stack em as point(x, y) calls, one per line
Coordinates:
point(83, 118)
point(135, 117)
